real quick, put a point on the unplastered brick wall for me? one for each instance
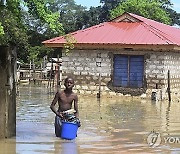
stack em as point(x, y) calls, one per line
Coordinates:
point(86, 66)
point(83, 65)
point(156, 72)
point(172, 63)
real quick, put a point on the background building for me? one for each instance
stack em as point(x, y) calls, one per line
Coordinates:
point(130, 55)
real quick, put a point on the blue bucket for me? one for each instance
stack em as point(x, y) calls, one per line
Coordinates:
point(69, 130)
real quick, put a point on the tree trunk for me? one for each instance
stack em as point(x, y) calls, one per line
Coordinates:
point(7, 92)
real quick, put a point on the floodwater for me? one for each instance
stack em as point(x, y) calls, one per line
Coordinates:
point(107, 126)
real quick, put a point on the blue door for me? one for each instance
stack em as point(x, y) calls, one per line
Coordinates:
point(128, 71)
point(136, 71)
point(120, 71)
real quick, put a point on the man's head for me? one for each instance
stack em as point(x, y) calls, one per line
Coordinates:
point(69, 83)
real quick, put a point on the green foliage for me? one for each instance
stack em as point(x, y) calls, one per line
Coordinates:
point(148, 8)
point(166, 5)
point(1, 30)
point(39, 9)
point(107, 6)
point(14, 6)
point(38, 52)
point(70, 14)
point(175, 17)
point(93, 16)
point(16, 29)
point(69, 45)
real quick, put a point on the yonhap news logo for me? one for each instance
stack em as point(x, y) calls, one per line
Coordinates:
point(154, 139)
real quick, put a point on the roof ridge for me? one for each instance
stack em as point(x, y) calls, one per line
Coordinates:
point(144, 31)
point(158, 30)
point(155, 30)
point(144, 19)
point(124, 16)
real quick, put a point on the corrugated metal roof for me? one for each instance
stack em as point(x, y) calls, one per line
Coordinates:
point(141, 32)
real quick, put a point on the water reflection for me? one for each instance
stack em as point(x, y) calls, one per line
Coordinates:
point(167, 117)
point(108, 125)
point(69, 148)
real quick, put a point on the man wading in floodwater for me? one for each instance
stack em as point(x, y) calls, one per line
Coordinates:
point(65, 100)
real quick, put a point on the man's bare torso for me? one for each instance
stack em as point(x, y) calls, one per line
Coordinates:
point(65, 101)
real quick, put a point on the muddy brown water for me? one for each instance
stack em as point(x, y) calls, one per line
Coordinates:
point(108, 126)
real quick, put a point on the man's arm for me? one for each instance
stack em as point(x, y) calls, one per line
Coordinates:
point(52, 106)
point(76, 106)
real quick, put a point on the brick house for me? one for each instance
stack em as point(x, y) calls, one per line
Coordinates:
point(130, 55)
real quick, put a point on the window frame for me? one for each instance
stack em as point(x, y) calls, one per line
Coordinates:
point(128, 70)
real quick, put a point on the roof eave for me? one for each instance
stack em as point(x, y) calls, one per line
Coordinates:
point(117, 46)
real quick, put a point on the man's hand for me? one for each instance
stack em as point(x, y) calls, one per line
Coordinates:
point(60, 114)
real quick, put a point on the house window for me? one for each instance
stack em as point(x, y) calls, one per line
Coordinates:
point(128, 71)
